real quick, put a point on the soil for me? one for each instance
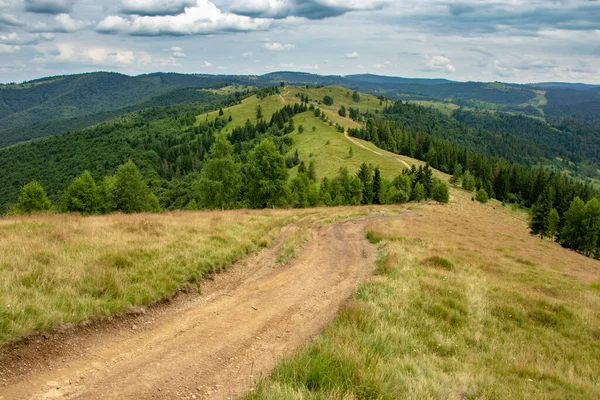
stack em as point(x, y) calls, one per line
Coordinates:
point(211, 346)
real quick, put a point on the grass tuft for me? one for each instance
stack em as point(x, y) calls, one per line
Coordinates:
point(373, 237)
point(438, 262)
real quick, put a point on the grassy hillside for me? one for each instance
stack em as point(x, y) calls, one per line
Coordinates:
point(48, 280)
point(465, 304)
point(329, 148)
point(59, 104)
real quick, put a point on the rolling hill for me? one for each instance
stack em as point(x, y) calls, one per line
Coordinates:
point(464, 301)
point(59, 104)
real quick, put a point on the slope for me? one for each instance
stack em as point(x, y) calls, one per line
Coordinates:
point(329, 148)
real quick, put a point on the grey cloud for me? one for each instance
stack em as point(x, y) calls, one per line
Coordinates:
point(310, 9)
point(584, 67)
point(481, 50)
point(460, 8)
point(10, 20)
point(504, 18)
point(49, 6)
point(156, 7)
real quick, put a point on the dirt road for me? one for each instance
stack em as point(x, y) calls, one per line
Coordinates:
point(373, 151)
point(217, 346)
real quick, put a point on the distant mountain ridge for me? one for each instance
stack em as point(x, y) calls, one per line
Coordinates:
point(52, 105)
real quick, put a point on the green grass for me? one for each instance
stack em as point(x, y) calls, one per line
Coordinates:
point(330, 150)
point(66, 269)
point(294, 241)
point(444, 107)
point(480, 327)
point(328, 147)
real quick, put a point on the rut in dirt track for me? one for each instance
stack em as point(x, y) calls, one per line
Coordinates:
point(216, 348)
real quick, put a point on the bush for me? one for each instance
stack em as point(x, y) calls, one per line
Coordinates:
point(328, 100)
point(481, 196)
point(440, 192)
point(33, 198)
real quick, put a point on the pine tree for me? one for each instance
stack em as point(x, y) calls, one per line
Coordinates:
point(259, 113)
point(468, 181)
point(552, 223)
point(377, 186)
point(418, 192)
point(456, 174)
point(312, 170)
point(540, 212)
point(365, 175)
point(590, 227)
point(571, 233)
point(427, 180)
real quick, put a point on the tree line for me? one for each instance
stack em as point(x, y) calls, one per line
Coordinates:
point(561, 207)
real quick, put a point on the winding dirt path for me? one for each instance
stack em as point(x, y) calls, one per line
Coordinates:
point(217, 346)
point(373, 151)
point(283, 99)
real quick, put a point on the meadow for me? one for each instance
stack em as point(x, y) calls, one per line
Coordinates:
point(62, 269)
point(464, 304)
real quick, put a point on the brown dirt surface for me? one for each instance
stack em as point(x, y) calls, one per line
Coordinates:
point(213, 346)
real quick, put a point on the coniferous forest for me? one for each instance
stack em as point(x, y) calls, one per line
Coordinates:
point(163, 158)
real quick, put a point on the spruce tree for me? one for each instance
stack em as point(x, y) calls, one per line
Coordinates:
point(418, 192)
point(312, 170)
point(540, 211)
point(552, 223)
point(572, 231)
point(365, 175)
point(376, 186)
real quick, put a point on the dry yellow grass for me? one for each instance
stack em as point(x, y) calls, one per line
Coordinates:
point(64, 269)
point(466, 304)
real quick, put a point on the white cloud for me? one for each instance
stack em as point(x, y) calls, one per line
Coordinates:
point(202, 19)
point(206, 64)
point(277, 47)
point(66, 52)
point(64, 23)
point(7, 49)
point(385, 65)
point(352, 56)
point(438, 64)
point(247, 54)
point(176, 49)
point(299, 67)
point(503, 70)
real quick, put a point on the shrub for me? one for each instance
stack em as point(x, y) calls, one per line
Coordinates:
point(481, 196)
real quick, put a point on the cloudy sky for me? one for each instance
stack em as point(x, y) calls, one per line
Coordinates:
point(487, 40)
